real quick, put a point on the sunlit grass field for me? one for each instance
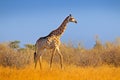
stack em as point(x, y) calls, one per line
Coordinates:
point(102, 62)
point(70, 72)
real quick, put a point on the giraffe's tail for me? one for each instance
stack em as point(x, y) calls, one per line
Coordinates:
point(34, 56)
point(35, 53)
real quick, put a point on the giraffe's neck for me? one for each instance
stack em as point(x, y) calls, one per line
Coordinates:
point(60, 30)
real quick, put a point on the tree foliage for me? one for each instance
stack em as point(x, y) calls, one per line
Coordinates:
point(29, 46)
point(14, 44)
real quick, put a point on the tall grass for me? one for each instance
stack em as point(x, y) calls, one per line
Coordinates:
point(100, 54)
point(99, 63)
point(69, 73)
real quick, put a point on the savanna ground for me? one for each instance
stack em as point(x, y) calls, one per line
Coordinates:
point(102, 62)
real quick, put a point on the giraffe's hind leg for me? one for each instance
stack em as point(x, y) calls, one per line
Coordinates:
point(35, 59)
point(40, 62)
point(38, 57)
point(35, 63)
point(53, 53)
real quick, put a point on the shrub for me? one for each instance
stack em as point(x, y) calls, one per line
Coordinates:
point(13, 58)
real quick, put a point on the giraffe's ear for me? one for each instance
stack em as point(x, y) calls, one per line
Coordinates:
point(70, 15)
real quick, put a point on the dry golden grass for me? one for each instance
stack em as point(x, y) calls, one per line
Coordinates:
point(70, 72)
point(102, 62)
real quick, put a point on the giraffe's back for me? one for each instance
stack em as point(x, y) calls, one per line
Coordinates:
point(48, 42)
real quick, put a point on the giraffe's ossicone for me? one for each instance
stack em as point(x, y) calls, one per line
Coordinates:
point(51, 42)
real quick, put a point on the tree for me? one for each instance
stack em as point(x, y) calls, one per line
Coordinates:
point(29, 46)
point(14, 44)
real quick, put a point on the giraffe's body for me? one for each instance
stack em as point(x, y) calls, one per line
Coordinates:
point(52, 42)
point(48, 42)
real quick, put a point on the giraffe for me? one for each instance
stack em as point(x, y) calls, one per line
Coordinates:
point(51, 42)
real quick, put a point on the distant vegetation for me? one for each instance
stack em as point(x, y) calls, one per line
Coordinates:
point(101, 54)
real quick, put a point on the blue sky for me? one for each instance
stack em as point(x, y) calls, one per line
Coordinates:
point(27, 20)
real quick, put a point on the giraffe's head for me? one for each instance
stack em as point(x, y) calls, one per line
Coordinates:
point(71, 19)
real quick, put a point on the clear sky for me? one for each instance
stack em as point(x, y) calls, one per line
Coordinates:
point(27, 20)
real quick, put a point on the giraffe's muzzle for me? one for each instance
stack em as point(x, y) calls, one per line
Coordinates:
point(75, 21)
